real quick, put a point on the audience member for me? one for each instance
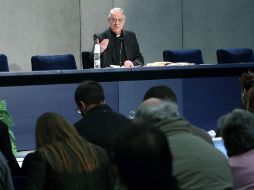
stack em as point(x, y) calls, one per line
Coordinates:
point(99, 124)
point(6, 149)
point(118, 46)
point(163, 92)
point(250, 100)
point(247, 81)
point(5, 175)
point(64, 160)
point(197, 164)
point(237, 130)
point(143, 159)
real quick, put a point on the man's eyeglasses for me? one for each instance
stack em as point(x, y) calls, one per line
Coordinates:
point(120, 20)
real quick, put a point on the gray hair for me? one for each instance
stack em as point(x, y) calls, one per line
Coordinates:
point(154, 113)
point(236, 117)
point(237, 130)
point(116, 9)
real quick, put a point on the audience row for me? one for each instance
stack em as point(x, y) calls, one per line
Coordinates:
point(158, 149)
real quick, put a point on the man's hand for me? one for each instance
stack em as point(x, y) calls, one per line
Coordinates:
point(103, 44)
point(128, 63)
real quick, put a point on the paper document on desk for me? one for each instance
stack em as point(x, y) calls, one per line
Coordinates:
point(162, 63)
point(168, 64)
point(115, 66)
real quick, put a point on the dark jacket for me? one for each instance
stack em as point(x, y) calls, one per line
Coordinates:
point(101, 125)
point(130, 44)
point(41, 175)
point(5, 148)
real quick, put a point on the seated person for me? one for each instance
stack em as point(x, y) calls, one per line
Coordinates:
point(249, 100)
point(5, 175)
point(6, 149)
point(197, 165)
point(99, 123)
point(237, 131)
point(247, 81)
point(118, 46)
point(164, 92)
point(63, 160)
point(143, 159)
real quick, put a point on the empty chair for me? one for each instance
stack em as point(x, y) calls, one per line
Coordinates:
point(234, 55)
point(3, 63)
point(87, 63)
point(53, 62)
point(185, 55)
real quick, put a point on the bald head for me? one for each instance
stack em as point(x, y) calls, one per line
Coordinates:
point(152, 101)
point(154, 110)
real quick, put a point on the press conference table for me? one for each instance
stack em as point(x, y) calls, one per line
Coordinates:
point(204, 92)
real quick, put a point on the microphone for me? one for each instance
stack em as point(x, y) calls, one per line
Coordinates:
point(121, 48)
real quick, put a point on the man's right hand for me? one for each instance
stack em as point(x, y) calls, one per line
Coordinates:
point(103, 44)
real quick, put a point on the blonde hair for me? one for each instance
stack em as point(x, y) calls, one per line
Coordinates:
point(61, 145)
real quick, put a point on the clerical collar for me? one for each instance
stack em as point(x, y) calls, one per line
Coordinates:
point(116, 35)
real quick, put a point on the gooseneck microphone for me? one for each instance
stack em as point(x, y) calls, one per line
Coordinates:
point(121, 48)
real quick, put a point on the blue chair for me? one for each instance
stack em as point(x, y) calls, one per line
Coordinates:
point(87, 63)
point(53, 62)
point(234, 55)
point(3, 63)
point(185, 55)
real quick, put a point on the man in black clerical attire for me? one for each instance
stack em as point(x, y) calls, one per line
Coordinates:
point(118, 46)
point(99, 124)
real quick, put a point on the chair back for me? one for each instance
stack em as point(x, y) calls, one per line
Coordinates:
point(3, 63)
point(185, 55)
point(234, 55)
point(87, 63)
point(53, 62)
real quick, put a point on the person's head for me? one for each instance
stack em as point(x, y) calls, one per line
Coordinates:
point(116, 20)
point(237, 131)
point(60, 144)
point(247, 81)
point(162, 92)
point(88, 94)
point(143, 159)
point(154, 110)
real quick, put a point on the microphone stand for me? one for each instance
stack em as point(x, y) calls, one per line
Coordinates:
point(120, 56)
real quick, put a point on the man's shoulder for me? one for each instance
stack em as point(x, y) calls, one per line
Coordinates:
point(128, 33)
point(104, 34)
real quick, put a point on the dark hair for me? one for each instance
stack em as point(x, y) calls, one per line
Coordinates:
point(250, 100)
point(237, 130)
point(143, 159)
point(247, 81)
point(90, 92)
point(162, 92)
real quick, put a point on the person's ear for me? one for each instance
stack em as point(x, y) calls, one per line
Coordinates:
point(82, 106)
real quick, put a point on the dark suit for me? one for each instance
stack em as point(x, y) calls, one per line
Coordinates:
point(130, 44)
point(5, 148)
point(101, 125)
